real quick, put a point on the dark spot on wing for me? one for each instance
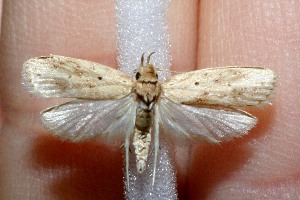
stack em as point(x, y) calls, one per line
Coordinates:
point(99, 78)
point(196, 83)
point(55, 66)
point(237, 92)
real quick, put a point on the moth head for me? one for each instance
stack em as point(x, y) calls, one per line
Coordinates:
point(146, 73)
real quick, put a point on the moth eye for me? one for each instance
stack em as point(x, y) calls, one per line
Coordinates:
point(137, 75)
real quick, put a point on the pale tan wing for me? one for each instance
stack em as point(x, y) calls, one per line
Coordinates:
point(59, 76)
point(226, 86)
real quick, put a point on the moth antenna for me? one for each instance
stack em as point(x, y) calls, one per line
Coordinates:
point(168, 70)
point(142, 60)
point(134, 72)
point(148, 58)
point(163, 70)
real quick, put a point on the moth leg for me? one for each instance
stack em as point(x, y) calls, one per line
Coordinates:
point(151, 152)
point(156, 141)
point(126, 144)
point(123, 146)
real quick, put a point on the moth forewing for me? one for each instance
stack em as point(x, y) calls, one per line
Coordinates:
point(226, 86)
point(59, 76)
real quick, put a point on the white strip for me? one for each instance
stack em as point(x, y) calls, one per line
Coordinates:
point(142, 28)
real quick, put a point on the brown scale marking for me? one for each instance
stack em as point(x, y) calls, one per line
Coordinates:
point(78, 72)
point(44, 57)
point(268, 95)
point(217, 80)
point(55, 66)
point(99, 78)
point(196, 83)
point(91, 86)
point(201, 100)
point(71, 62)
point(238, 92)
point(76, 66)
point(62, 84)
point(62, 69)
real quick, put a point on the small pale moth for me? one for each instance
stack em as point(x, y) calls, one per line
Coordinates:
point(111, 106)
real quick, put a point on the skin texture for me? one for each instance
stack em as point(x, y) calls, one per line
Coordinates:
point(263, 165)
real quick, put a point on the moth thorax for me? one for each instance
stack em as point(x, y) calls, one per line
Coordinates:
point(148, 91)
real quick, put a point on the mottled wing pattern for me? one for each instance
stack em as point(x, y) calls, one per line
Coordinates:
point(211, 124)
point(226, 86)
point(81, 120)
point(59, 76)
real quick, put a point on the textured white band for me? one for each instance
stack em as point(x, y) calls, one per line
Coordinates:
point(142, 28)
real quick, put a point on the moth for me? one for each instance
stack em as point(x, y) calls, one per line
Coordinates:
point(111, 106)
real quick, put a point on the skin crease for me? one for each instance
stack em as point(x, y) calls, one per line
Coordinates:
point(262, 165)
